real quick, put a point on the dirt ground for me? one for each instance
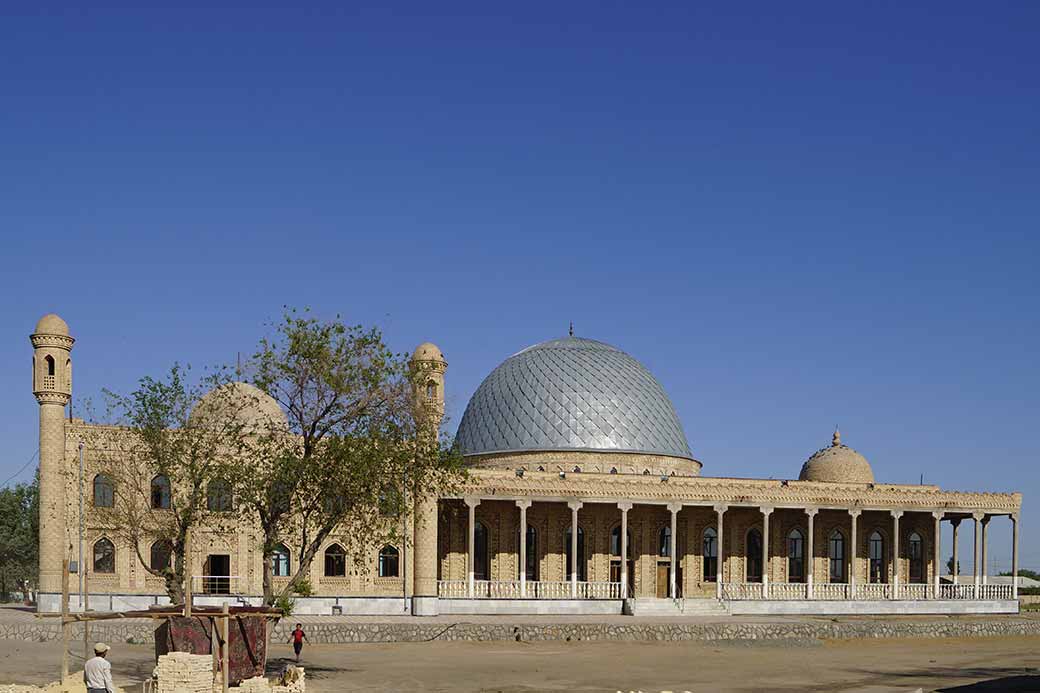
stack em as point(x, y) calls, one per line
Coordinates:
point(989, 664)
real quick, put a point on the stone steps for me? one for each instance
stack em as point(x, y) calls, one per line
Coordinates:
point(674, 607)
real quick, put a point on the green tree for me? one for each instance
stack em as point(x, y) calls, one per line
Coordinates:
point(357, 448)
point(19, 538)
point(1023, 572)
point(949, 567)
point(174, 438)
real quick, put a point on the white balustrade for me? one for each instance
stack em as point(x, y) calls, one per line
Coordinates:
point(742, 590)
point(995, 592)
point(831, 591)
point(956, 591)
point(914, 591)
point(452, 589)
point(788, 590)
point(873, 590)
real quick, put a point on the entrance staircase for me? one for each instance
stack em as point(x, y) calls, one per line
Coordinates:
point(645, 606)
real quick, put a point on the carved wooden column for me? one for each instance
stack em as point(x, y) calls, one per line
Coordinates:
point(985, 547)
point(955, 569)
point(852, 554)
point(624, 507)
point(896, 514)
point(523, 505)
point(766, 512)
point(811, 567)
point(1014, 556)
point(472, 504)
point(674, 509)
point(976, 548)
point(937, 554)
point(720, 553)
point(575, 506)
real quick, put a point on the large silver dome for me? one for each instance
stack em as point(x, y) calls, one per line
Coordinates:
point(571, 394)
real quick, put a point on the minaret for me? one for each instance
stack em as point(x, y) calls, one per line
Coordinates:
point(52, 386)
point(428, 367)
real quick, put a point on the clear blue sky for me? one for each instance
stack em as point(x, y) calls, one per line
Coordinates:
point(795, 217)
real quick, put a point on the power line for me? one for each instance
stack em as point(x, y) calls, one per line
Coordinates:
point(15, 475)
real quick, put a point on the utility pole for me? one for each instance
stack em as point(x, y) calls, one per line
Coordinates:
point(79, 567)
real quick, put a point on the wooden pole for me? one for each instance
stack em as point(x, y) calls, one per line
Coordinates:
point(214, 647)
point(187, 573)
point(225, 654)
point(64, 619)
point(84, 609)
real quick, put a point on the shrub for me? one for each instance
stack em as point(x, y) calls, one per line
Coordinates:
point(303, 588)
point(286, 604)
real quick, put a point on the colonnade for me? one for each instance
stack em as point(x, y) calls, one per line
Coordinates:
point(981, 523)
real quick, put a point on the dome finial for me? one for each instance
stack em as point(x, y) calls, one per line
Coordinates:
point(570, 331)
point(836, 440)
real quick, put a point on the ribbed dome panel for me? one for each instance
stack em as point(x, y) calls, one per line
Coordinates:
point(571, 394)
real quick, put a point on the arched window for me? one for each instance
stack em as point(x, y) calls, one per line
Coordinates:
point(49, 360)
point(431, 390)
point(531, 569)
point(335, 561)
point(795, 556)
point(104, 556)
point(753, 556)
point(576, 469)
point(280, 561)
point(615, 542)
point(664, 542)
point(388, 560)
point(161, 553)
point(876, 551)
point(710, 554)
point(582, 567)
point(915, 552)
point(836, 554)
point(161, 493)
point(104, 491)
point(481, 559)
point(613, 470)
point(218, 496)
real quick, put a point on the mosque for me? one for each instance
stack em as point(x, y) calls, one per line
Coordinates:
point(583, 497)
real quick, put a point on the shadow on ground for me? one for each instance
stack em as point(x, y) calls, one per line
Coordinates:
point(276, 665)
point(1006, 683)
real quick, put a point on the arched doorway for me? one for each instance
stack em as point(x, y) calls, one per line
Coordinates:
point(753, 556)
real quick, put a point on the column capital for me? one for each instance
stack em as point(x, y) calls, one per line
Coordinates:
point(896, 514)
point(523, 504)
point(939, 514)
point(721, 508)
point(978, 517)
point(624, 506)
point(766, 510)
point(472, 501)
point(575, 504)
point(985, 520)
point(675, 507)
point(811, 511)
point(855, 512)
point(1013, 517)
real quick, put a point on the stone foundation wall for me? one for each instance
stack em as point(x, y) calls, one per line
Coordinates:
point(665, 629)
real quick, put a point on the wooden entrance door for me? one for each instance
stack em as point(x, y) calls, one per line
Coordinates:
point(662, 580)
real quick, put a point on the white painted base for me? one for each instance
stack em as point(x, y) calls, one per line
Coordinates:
point(425, 606)
point(537, 607)
point(864, 607)
point(353, 606)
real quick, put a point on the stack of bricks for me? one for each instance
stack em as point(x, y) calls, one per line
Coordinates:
point(180, 672)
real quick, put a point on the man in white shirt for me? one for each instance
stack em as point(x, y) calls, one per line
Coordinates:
point(97, 672)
